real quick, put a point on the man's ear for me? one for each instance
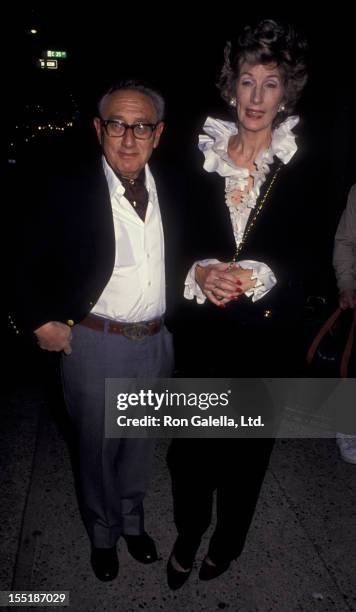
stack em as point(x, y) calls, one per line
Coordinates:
point(158, 131)
point(97, 126)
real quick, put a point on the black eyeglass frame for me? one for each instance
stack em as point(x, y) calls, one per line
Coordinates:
point(105, 122)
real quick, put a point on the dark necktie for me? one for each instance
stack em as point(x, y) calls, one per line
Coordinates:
point(136, 193)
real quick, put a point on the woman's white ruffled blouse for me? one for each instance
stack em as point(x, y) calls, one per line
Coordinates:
point(214, 145)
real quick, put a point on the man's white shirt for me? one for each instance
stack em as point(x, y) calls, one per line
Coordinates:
point(136, 290)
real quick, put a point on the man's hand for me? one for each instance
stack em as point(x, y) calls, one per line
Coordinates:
point(347, 299)
point(221, 283)
point(54, 336)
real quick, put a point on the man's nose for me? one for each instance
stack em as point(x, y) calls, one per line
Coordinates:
point(128, 139)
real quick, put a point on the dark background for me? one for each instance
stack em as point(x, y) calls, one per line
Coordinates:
point(181, 54)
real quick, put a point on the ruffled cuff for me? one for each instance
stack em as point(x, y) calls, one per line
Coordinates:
point(191, 287)
point(263, 275)
point(346, 284)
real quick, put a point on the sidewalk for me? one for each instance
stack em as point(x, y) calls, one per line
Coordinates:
point(300, 553)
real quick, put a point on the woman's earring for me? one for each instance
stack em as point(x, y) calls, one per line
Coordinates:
point(232, 102)
point(281, 108)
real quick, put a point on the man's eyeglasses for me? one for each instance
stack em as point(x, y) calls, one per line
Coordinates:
point(116, 128)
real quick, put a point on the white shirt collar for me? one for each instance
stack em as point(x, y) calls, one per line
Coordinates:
point(116, 187)
point(214, 144)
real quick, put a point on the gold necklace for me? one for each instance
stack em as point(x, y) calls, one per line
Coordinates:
point(253, 220)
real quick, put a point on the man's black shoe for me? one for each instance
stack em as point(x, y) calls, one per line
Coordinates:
point(141, 547)
point(105, 563)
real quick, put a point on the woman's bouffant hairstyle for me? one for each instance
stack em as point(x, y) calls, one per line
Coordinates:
point(268, 42)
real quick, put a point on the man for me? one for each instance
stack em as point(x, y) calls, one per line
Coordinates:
point(344, 261)
point(94, 288)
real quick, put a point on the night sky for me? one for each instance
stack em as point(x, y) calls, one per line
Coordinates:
point(180, 54)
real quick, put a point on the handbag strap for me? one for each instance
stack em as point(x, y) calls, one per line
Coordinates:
point(321, 333)
point(327, 326)
point(348, 348)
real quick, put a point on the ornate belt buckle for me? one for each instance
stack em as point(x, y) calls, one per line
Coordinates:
point(136, 331)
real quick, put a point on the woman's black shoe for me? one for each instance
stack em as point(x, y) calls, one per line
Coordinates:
point(175, 578)
point(209, 572)
point(184, 550)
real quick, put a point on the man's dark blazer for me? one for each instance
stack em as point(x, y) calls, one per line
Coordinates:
point(67, 249)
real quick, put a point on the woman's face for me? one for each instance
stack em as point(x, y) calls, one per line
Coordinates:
point(259, 93)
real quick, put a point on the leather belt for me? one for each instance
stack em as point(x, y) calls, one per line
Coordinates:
point(133, 331)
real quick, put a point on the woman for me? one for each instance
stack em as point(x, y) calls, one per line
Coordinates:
point(244, 291)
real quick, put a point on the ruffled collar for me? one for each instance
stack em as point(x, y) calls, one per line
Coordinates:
point(214, 143)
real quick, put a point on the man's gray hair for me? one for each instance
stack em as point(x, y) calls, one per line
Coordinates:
point(131, 84)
